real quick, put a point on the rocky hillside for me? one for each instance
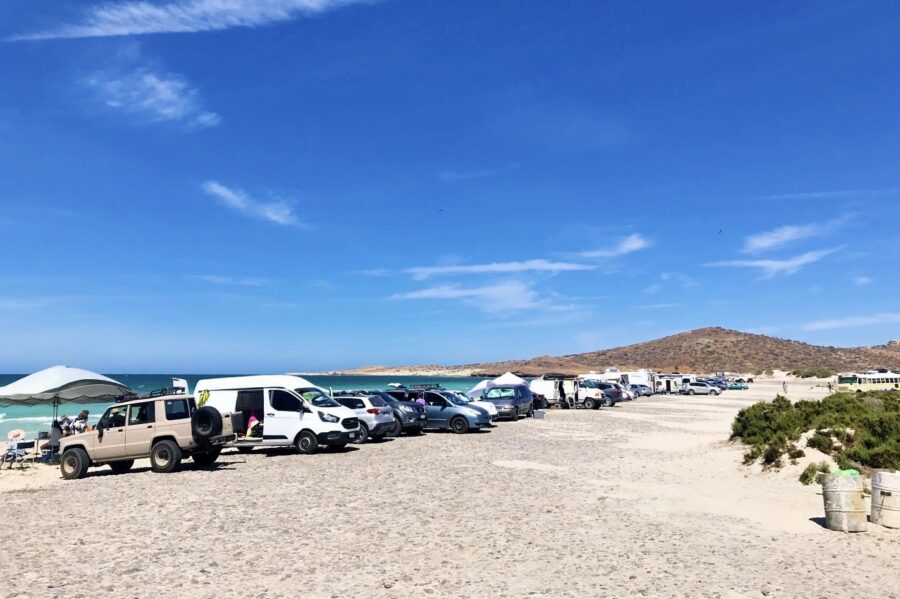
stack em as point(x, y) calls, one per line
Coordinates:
point(709, 350)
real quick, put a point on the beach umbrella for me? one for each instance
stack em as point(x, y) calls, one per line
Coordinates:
point(62, 384)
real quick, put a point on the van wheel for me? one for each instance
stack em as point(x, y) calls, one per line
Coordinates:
point(307, 443)
point(121, 467)
point(208, 457)
point(588, 403)
point(459, 425)
point(398, 428)
point(363, 432)
point(74, 463)
point(165, 456)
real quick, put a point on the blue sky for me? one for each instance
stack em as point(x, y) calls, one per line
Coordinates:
point(237, 185)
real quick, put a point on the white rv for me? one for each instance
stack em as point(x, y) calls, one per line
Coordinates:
point(569, 391)
point(287, 410)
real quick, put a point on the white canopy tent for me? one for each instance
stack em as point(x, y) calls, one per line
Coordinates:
point(480, 388)
point(504, 379)
point(509, 379)
point(62, 384)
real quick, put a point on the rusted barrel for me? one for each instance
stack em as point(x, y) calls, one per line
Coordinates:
point(886, 499)
point(845, 508)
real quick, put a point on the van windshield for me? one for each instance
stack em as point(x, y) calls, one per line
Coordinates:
point(317, 398)
point(455, 399)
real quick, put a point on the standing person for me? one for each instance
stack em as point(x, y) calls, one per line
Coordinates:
point(784, 387)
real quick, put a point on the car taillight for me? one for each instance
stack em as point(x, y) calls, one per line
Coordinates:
point(373, 411)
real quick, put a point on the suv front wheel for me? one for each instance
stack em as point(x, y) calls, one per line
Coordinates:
point(165, 456)
point(74, 463)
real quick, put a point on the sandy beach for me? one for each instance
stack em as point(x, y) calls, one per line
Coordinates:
point(644, 499)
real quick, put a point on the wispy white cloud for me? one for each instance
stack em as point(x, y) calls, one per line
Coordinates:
point(154, 97)
point(540, 265)
point(633, 243)
point(509, 296)
point(137, 17)
point(657, 306)
point(772, 268)
point(229, 280)
point(862, 281)
point(853, 321)
point(451, 176)
point(278, 212)
point(786, 234)
point(668, 278)
point(836, 194)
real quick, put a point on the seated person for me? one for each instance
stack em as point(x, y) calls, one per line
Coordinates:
point(254, 425)
point(79, 425)
point(50, 449)
point(116, 418)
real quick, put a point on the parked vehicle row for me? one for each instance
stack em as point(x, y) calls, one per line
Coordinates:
point(284, 410)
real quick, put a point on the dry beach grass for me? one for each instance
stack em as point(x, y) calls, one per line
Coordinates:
point(645, 499)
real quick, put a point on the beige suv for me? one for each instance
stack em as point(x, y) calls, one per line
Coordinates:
point(164, 428)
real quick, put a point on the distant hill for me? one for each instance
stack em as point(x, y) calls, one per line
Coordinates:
point(708, 350)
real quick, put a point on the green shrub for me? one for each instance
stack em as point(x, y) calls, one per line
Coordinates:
point(811, 474)
point(795, 453)
point(808, 373)
point(866, 426)
point(821, 441)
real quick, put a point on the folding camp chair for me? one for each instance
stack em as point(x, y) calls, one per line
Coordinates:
point(17, 452)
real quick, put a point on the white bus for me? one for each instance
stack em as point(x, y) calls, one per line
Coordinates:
point(873, 380)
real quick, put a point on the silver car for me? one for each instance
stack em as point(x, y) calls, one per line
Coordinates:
point(699, 388)
point(376, 417)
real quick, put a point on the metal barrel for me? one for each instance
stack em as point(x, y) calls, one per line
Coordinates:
point(845, 508)
point(886, 499)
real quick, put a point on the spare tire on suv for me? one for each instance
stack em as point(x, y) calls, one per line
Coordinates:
point(206, 423)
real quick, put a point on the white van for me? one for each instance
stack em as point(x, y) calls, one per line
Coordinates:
point(568, 391)
point(291, 411)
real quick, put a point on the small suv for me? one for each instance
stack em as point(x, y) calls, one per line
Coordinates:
point(511, 401)
point(376, 417)
point(699, 388)
point(409, 417)
point(164, 428)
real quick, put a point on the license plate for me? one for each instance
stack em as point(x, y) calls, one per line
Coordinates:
point(422, 417)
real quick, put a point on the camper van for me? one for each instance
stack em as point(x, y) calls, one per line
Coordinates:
point(569, 391)
point(280, 410)
point(644, 377)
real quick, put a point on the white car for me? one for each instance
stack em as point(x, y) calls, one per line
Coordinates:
point(376, 417)
point(487, 406)
point(699, 388)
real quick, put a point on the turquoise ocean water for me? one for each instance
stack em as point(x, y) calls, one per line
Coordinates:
point(37, 418)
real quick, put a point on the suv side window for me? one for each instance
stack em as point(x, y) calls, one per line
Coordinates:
point(433, 399)
point(344, 401)
point(283, 401)
point(177, 409)
point(142, 413)
point(113, 418)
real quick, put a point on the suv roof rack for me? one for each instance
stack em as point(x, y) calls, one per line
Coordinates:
point(150, 394)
